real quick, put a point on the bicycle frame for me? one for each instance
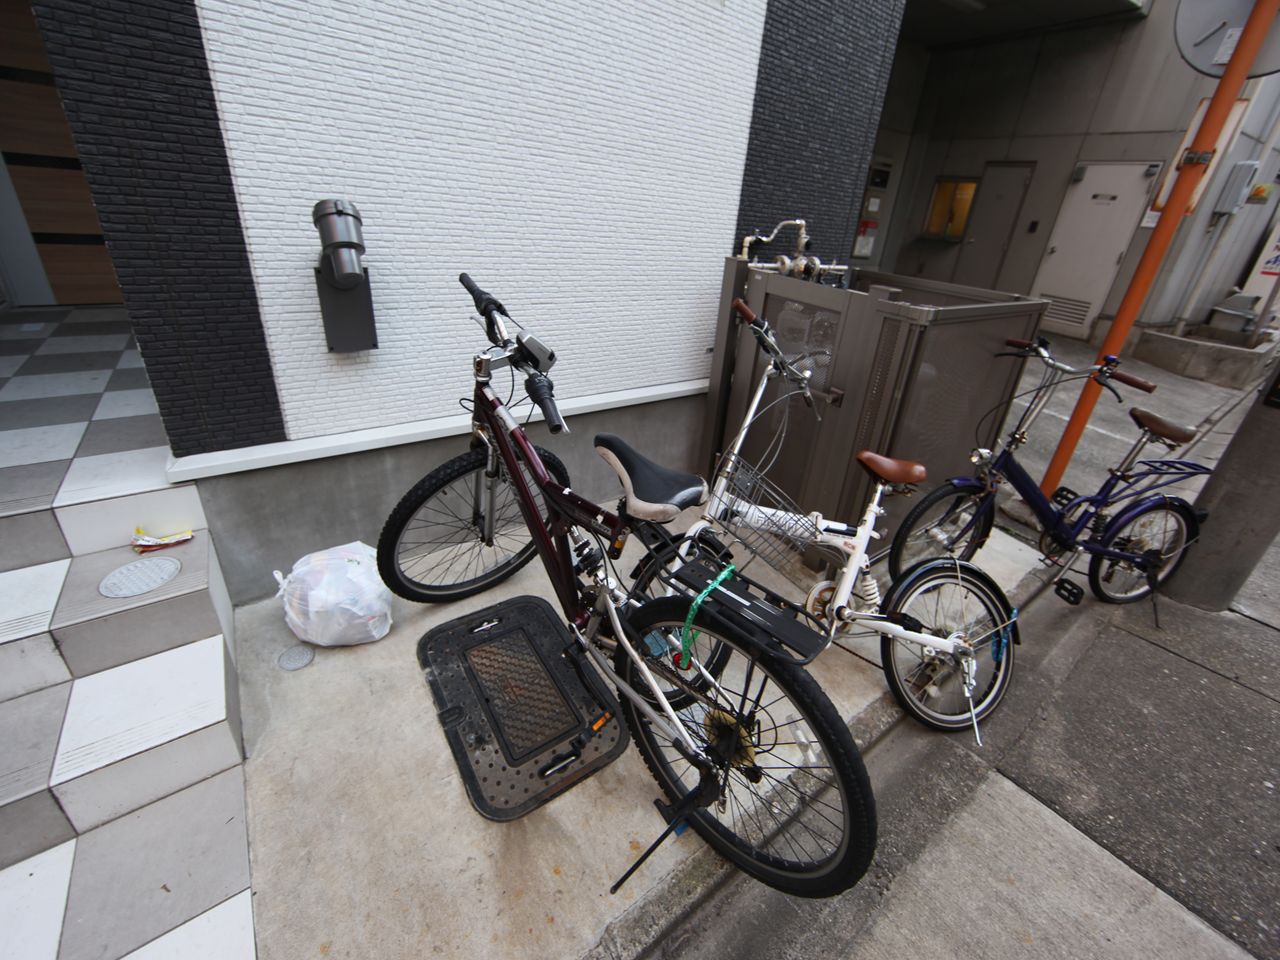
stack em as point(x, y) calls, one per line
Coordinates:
point(507, 442)
point(851, 542)
point(1119, 487)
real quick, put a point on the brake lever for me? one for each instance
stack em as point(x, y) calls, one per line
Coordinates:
point(1104, 382)
point(1023, 354)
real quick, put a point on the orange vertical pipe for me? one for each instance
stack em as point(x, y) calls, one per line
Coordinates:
point(1189, 175)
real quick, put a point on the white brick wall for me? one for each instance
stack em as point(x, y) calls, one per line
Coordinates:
point(581, 160)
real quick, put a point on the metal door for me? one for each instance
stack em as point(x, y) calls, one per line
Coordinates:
point(1090, 238)
point(990, 228)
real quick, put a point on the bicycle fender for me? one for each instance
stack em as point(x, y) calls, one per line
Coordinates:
point(966, 483)
point(1131, 511)
point(769, 628)
point(949, 565)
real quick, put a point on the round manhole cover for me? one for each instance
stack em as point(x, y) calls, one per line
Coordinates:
point(296, 657)
point(139, 577)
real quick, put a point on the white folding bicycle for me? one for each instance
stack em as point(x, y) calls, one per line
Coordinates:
point(947, 630)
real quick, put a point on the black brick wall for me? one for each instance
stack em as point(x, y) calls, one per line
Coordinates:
point(135, 86)
point(824, 67)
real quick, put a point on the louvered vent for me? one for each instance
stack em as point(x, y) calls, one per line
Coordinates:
point(1066, 310)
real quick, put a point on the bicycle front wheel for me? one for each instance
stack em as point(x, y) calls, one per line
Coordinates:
point(795, 809)
point(1162, 531)
point(432, 548)
point(956, 601)
point(949, 522)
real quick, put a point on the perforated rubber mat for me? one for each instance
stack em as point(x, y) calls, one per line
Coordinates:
point(515, 701)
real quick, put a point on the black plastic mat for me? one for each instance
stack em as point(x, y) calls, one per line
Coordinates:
point(513, 702)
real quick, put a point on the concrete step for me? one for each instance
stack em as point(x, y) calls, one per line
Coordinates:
point(96, 632)
point(77, 755)
point(168, 880)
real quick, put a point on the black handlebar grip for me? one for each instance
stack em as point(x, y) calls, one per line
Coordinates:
point(486, 303)
point(541, 391)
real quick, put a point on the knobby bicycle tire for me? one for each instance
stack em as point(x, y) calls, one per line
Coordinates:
point(798, 813)
point(444, 558)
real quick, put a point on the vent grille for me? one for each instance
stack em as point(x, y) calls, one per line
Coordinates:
point(1067, 309)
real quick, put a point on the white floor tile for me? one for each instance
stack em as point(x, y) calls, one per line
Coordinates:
point(103, 524)
point(40, 386)
point(28, 597)
point(127, 709)
point(101, 344)
point(126, 403)
point(223, 933)
point(40, 444)
point(113, 475)
point(9, 365)
point(33, 897)
point(25, 331)
point(129, 359)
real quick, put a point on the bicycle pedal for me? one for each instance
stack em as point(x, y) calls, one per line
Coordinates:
point(1064, 496)
point(1073, 593)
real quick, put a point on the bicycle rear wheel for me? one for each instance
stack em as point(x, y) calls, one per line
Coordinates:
point(1163, 530)
point(796, 809)
point(432, 549)
point(950, 521)
point(949, 600)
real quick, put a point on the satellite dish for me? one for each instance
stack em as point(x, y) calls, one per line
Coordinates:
point(1207, 32)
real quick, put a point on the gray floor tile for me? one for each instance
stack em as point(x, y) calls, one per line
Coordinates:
point(30, 487)
point(26, 331)
point(34, 315)
point(30, 664)
point(30, 538)
point(19, 414)
point(122, 433)
point(31, 724)
point(11, 348)
point(126, 403)
point(84, 343)
point(97, 315)
point(144, 874)
point(133, 379)
point(70, 362)
point(29, 826)
point(40, 444)
point(9, 365)
point(93, 328)
point(43, 385)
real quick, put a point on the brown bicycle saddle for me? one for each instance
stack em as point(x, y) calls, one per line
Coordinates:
point(890, 470)
point(1161, 427)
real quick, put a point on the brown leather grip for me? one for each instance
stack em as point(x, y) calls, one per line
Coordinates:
point(745, 313)
point(1019, 344)
point(1128, 379)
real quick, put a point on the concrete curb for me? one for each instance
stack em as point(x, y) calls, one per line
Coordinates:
point(652, 919)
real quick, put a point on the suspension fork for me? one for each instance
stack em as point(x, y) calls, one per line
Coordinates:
point(486, 494)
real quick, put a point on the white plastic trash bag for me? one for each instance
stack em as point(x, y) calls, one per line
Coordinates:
point(335, 597)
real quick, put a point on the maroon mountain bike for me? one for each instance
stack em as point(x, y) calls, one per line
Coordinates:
point(745, 745)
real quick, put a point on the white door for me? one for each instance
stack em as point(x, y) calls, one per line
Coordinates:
point(1091, 236)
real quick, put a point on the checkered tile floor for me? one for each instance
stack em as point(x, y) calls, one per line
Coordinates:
point(75, 407)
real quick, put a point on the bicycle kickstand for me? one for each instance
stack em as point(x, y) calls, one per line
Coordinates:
point(674, 814)
point(970, 680)
point(1153, 584)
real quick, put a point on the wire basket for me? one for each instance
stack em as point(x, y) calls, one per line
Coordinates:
point(758, 515)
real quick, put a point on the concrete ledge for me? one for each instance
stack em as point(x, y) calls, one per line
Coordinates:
point(314, 448)
point(1207, 360)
